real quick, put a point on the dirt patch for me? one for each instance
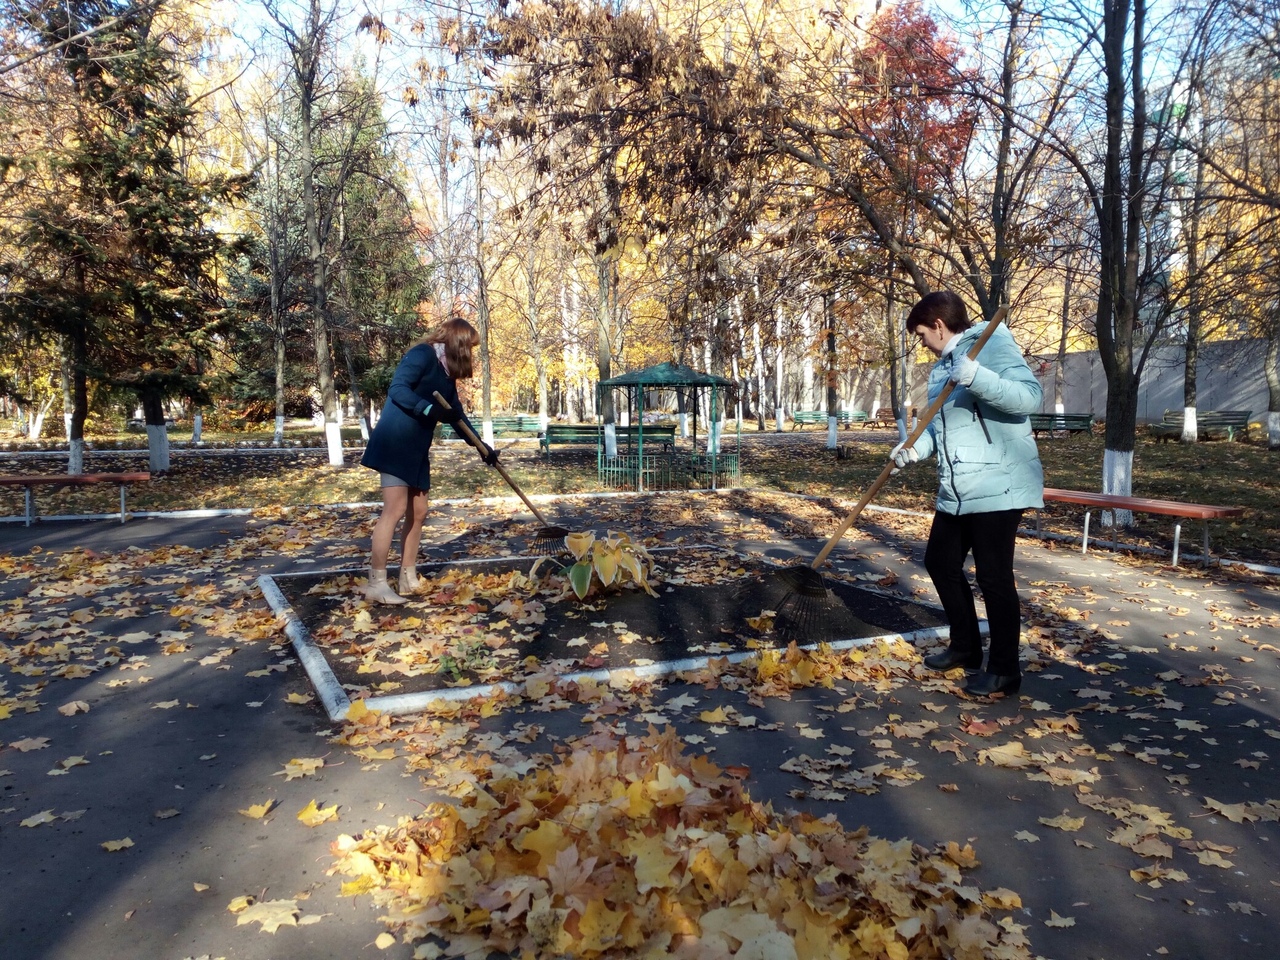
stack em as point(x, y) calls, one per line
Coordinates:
point(487, 622)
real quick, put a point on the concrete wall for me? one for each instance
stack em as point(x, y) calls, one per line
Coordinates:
point(1230, 377)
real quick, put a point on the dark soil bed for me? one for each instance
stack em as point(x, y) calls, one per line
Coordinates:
point(449, 638)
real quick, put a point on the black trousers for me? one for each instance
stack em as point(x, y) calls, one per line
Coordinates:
point(991, 538)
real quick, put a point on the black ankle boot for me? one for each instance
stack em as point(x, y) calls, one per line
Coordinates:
point(989, 684)
point(950, 659)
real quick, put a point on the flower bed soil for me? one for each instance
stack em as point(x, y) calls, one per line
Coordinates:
point(484, 623)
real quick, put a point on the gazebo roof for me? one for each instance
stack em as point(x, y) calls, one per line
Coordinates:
point(667, 375)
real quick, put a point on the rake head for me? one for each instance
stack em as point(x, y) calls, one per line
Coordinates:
point(805, 612)
point(549, 542)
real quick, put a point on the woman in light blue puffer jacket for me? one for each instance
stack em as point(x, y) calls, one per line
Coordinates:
point(988, 473)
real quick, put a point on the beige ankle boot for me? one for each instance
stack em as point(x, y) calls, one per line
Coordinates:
point(379, 591)
point(409, 582)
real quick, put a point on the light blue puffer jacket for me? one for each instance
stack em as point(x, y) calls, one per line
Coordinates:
point(987, 456)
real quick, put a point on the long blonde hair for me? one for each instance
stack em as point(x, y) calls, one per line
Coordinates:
point(459, 338)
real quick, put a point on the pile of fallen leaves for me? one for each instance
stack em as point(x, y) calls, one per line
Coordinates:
point(626, 848)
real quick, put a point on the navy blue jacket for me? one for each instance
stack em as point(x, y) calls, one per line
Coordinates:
point(401, 442)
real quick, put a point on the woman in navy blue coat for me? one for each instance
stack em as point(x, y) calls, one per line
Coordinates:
point(400, 446)
point(988, 473)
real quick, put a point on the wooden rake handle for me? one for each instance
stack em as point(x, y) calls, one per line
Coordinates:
point(921, 425)
point(475, 442)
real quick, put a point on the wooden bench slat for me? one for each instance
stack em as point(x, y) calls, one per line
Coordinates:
point(73, 479)
point(585, 433)
point(1061, 422)
point(1173, 508)
point(29, 482)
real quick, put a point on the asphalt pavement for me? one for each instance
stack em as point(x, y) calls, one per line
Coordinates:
point(149, 695)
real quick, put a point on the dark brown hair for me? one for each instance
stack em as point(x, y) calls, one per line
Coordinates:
point(459, 339)
point(940, 305)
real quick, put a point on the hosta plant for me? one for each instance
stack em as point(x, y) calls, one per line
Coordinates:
point(604, 562)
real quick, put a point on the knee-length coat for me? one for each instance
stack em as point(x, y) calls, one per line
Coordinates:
point(401, 442)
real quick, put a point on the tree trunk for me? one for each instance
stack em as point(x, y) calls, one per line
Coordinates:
point(833, 393)
point(1120, 236)
point(1060, 372)
point(79, 384)
point(779, 372)
point(157, 434)
point(1273, 388)
point(307, 56)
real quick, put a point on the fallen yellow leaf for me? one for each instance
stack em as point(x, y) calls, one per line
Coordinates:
point(313, 816)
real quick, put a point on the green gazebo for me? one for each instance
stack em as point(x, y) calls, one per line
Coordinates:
point(652, 457)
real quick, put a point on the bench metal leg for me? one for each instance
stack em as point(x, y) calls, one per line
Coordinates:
point(29, 504)
point(123, 515)
point(1084, 543)
point(1177, 535)
point(1206, 542)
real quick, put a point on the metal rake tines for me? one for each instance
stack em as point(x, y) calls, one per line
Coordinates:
point(549, 542)
point(805, 612)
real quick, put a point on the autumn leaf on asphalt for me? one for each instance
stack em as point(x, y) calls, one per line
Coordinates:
point(1026, 836)
point(167, 814)
point(313, 816)
point(1211, 858)
point(299, 698)
point(1063, 822)
point(44, 816)
point(259, 810)
point(241, 904)
point(29, 744)
point(272, 914)
point(74, 707)
point(165, 705)
point(1002, 899)
point(1012, 754)
point(913, 731)
point(1057, 921)
point(961, 856)
point(111, 846)
point(296, 768)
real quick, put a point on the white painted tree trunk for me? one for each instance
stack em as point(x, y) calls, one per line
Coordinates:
point(1189, 431)
point(333, 440)
point(157, 447)
point(779, 368)
point(197, 427)
point(1117, 478)
point(277, 439)
point(1273, 430)
point(75, 457)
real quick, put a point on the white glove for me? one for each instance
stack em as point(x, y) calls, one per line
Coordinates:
point(963, 370)
point(901, 457)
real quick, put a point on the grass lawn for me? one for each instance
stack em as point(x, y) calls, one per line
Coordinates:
point(1217, 472)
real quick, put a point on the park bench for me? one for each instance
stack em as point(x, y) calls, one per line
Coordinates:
point(580, 433)
point(1207, 422)
point(1171, 508)
point(886, 418)
point(504, 425)
point(844, 418)
point(29, 483)
point(1061, 423)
